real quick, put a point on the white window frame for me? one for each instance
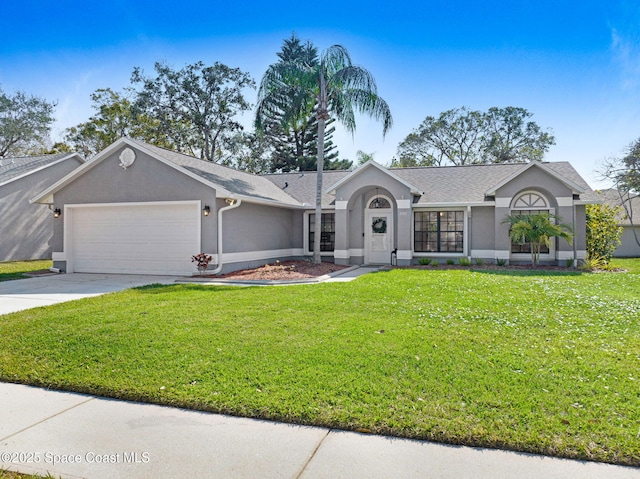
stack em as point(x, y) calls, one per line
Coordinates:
point(465, 235)
point(547, 208)
point(308, 249)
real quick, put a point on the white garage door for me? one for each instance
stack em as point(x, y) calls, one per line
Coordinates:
point(136, 239)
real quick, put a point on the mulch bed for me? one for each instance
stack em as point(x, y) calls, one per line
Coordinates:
point(284, 270)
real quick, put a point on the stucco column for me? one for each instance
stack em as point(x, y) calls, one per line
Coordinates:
point(502, 241)
point(404, 237)
point(565, 213)
point(341, 250)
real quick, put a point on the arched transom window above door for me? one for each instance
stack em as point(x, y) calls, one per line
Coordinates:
point(530, 200)
point(379, 202)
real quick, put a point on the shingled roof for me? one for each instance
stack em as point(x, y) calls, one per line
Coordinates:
point(302, 185)
point(612, 198)
point(435, 186)
point(439, 185)
point(12, 169)
point(232, 180)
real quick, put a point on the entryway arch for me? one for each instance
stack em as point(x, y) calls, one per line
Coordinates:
point(378, 229)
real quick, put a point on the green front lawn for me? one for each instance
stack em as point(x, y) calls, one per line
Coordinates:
point(17, 269)
point(632, 265)
point(530, 361)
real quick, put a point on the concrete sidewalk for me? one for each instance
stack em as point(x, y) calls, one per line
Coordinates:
point(75, 435)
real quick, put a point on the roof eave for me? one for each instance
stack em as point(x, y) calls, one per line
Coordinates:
point(587, 202)
point(265, 201)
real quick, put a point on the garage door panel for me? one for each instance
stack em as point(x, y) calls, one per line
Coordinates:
point(138, 239)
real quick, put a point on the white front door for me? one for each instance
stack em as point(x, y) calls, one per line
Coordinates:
point(378, 236)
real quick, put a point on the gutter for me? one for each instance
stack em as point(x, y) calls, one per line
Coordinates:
point(232, 203)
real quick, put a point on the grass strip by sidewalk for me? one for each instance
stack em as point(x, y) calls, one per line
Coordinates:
point(529, 361)
point(18, 475)
point(17, 269)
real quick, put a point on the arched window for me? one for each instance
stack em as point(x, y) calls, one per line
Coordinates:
point(530, 200)
point(379, 202)
point(529, 203)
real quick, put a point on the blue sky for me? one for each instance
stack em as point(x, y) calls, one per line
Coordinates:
point(574, 64)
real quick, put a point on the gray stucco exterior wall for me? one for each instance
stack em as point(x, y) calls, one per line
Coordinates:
point(561, 202)
point(251, 228)
point(26, 230)
point(629, 247)
point(357, 193)
point(147, 180)
point(251, 233)
point(482, 235)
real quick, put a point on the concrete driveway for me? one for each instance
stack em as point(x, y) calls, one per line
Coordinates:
point(45, 290)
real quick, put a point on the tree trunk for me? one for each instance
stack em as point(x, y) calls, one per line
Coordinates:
point(322, 118)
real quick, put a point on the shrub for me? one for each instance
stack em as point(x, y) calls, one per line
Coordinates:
point(570, 263)
point(501, 261)
point(603, 232)
point(464, 261)
point(478, 261)
point(424, 261)
point(450, 262)
point(434, 263)
point(593, 263)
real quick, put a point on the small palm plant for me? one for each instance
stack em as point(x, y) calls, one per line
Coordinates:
point(537, 230)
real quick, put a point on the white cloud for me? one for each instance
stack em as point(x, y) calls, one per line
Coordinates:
point(625, 47)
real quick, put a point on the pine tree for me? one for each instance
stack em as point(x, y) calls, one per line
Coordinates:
point(295, 145)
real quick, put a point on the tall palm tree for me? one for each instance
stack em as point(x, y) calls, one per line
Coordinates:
point(537, 230)
point(333, 88)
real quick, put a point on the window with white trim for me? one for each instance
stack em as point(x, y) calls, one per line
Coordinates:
point(529, 203)
point(438, 231)
point(327, 231)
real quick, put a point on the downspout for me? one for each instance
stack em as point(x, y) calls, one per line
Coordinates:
point(232, 203)
point(468, 238)
point(575, 247)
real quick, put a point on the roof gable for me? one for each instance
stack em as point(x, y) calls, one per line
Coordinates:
point(536, 164)
point(372, 164)
point(226, 181)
